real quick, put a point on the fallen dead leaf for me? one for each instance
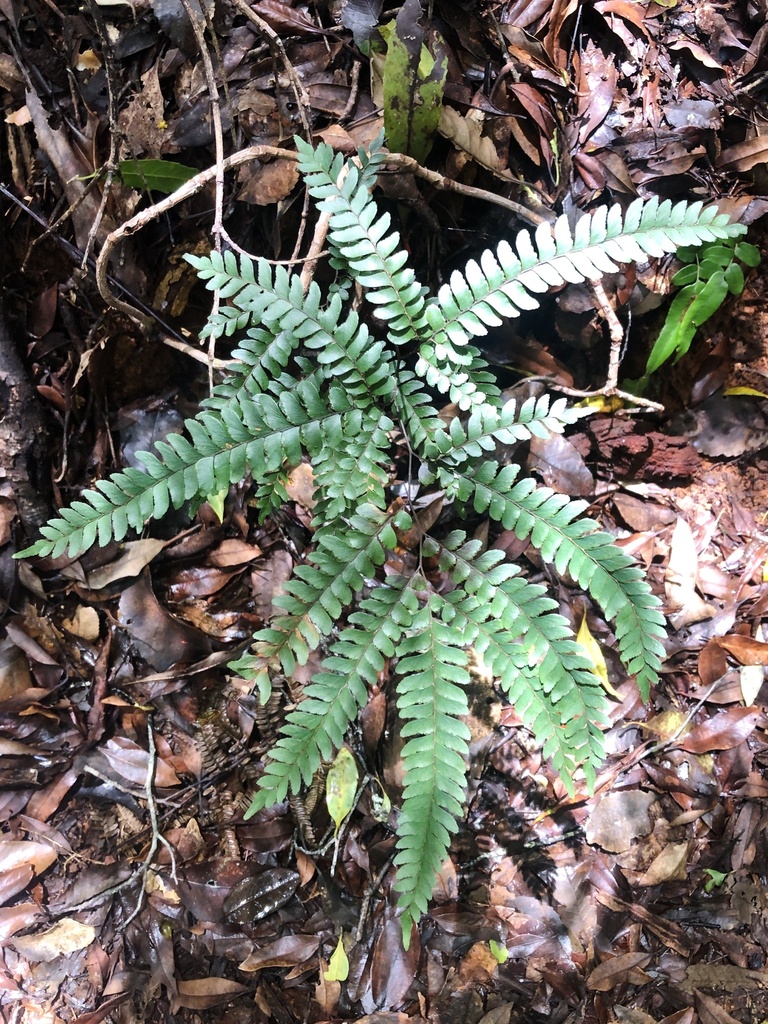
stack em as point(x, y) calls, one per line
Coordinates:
point(202, 993)
point(625, 969)
point(137, 554)
point(66, 936)
point(680, 580)
point(285, 952)
point(720, 732)
point(670, 865)
point(619, 819)
point(84, 623)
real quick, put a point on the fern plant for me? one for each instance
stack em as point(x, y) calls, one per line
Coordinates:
point(311, 381)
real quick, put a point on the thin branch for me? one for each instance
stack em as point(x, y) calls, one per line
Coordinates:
point(144, 217)
point(407, 163)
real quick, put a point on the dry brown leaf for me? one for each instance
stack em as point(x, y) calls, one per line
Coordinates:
point(744, 649)
point(65, 937)
point(669, 865)
point(14, 881)
point(131, 762)
point(136, 556)
point(19, 853)
point(619, 970)
point(232, 552)
point(202, 993)
point(289, 951)
point(710, 1010)
point(268, 183)
point(159, 638)
point(84, 623)
point(619, 819)
point(697, 51)
point(327, 993)
point(14, 919)
point(685, 605)
point(466, 134)
point(720, 732)
point(301, 486)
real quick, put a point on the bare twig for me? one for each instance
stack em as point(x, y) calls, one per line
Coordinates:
point(407, 163)
point(111, 166)
point(353, 92)
point(198, 27)
point(610, 389)
point(276, 44)
point(144, 217)
point(615, 330)
point(156, 838)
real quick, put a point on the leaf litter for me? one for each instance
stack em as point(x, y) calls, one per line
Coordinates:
point(643, 902)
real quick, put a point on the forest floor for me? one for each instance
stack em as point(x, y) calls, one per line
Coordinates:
point(122, 734)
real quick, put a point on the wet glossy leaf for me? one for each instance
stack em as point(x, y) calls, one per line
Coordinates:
point(257, 898)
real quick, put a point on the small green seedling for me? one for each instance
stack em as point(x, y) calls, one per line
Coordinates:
point(711, 272)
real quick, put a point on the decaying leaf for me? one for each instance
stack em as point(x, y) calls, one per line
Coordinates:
point(619, 819)
point(66, 936)
point(413, 83)
point(341, 787)
point(680, 581)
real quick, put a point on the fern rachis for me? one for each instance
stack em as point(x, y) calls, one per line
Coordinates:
point(310, 381)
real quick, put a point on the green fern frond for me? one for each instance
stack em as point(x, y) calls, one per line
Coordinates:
point(320, 590)
point(577, 547)
point(260, 358)
point(414, 410)
point(488, 427)
point(354, 465)
point(261, 435)
point(500, 285)
point(460, 373)
point(315, 730)
point(531, 649)
point(359, 231)
point(431, 702)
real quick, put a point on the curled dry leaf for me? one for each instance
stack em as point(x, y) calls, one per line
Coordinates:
point(136, 556)
point(680, 580)
point(669, 865)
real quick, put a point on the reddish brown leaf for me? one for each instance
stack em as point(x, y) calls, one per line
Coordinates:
point(15, 880)
point(744, 649)
point(289, 951)
point(202, 993)
point(392, 968)
point(14, 919)
point(721, 731)
point(619, 970)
